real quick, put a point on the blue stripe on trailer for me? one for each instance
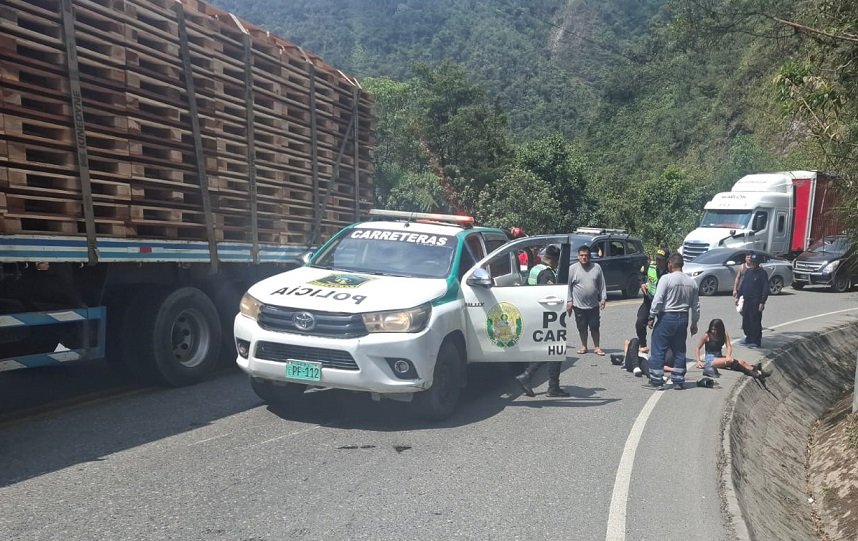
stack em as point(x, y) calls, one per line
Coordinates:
point(29, 248)
point(43, 359)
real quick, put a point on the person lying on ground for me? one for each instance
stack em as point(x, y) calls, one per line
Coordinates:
point(714, 341)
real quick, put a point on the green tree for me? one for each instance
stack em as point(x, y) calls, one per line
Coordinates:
point(520, 198)
point(667, 207)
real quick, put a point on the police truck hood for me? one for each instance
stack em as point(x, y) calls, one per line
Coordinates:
point(339, 291)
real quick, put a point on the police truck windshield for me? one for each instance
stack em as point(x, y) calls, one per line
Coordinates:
point(393, 253)
point(726, 219)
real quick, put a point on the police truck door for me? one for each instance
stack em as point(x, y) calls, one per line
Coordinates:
point(508, 320)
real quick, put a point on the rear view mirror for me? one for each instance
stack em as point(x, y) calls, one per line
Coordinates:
point(481, 278)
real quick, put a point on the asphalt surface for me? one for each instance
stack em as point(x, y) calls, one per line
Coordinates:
point(614, 461)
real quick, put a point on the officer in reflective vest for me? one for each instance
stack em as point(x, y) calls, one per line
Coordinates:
point(653, 273)
point(545, 272)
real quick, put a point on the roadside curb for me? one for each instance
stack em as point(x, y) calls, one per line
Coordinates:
point(764, 431)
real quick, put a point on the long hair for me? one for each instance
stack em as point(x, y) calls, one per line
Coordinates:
point(718, 326)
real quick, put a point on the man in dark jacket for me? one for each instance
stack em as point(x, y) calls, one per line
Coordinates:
point(754, 287)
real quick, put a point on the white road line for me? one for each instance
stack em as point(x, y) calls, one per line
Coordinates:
point(620, 496)
point(209, 439)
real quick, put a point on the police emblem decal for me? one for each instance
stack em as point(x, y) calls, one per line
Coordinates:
point(345, 281)
point(503, 325)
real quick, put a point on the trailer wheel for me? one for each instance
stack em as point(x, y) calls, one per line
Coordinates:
point(175, 336)
point(439, 401)
point(277, 395)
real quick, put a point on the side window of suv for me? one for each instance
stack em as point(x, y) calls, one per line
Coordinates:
point(617, 248)
point(597, 250)
point(633, 247)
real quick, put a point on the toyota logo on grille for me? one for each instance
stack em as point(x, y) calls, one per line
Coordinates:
point(305, 321)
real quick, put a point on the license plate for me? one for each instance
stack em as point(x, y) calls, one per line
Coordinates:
point(304, 370)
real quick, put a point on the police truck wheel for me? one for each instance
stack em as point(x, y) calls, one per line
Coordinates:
point(709, 286)
point(277, 395)
point(776, 285)
point(439, 401)
point(175, 336)
point(841, 283)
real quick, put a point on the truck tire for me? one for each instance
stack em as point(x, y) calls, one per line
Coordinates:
point(439, 401)
point(277, 395)
point(172, 337)
point(633, 287)
point(841, 283)
point(709, 286)
point(776, 285)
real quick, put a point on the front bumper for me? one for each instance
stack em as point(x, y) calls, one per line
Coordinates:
point(812, 278)
point(373, 373)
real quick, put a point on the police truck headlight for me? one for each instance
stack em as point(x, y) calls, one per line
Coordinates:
point(249, 306)
point(831, 267)
point(411, 320)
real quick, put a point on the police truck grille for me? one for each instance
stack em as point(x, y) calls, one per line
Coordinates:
point(690, 250)
point(330, 358)
point(806, 266)
point(329, 324)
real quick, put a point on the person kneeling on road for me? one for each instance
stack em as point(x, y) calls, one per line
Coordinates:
point(546, 273)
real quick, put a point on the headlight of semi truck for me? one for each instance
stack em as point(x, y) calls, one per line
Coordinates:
point(831, 267)
point(249, 306)
point(411, 320)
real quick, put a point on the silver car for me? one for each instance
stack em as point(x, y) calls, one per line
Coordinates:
point(715, 270)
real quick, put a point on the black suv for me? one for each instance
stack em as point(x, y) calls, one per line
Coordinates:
point(822, 264)
point(620, 255)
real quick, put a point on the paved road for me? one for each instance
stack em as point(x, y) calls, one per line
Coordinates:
point(614, 461)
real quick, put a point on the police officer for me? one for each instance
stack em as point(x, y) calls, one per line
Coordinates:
point(754, 287)
point(655, 270)
point(544, 273)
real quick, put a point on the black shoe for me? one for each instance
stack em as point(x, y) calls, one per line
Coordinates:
point(706, 382)
point(678, 386)
point(557, 393)
point(524, 382)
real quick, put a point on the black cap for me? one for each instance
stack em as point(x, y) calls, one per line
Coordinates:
point(755, 257)
point(551, 251)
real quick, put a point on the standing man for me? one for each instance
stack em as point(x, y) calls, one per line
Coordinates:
point(754, 287)
point(544, 273)
point(739, 273)
point(675, 296)
point(587, 295)
point(653, 273)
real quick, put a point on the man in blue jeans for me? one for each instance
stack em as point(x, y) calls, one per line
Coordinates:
point(675, 296)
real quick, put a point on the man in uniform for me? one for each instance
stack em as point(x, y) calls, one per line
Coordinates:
point(754, 287)
point(544, 273)
point(676, 302)
point(653, 273)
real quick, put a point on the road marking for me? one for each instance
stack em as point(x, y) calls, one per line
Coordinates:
point(620, 495)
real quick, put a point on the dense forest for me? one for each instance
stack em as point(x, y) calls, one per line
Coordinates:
point(552, 114)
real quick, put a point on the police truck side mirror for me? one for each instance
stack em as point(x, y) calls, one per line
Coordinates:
point(480, 277)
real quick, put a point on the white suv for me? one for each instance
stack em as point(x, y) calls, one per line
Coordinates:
point(398, 308)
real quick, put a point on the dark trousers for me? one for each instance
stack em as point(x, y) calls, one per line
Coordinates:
point(752, 321)
point(670, 332)
point(553, 372)
point(641, 321)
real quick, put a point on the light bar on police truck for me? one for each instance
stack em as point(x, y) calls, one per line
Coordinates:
point(465, 221)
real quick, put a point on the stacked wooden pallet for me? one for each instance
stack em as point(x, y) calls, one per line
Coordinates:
point(281, 132)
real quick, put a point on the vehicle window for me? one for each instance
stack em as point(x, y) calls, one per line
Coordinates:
point(781, 223)
point(476, 246)
point(472, 251)
point(397, 253)
point(728, 219)
point(493, 242)
point(760, 220)
point(502, 266)
point(837, 245)
point(617, 248)
point(632, 247)
point(597, 250)
point(719, 256)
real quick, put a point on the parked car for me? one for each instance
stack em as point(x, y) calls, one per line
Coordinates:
point(620, 255)
point(715, 270)
point(821, 265)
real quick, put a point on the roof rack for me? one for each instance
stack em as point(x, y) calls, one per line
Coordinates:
point(598, 230)
point(464, 221)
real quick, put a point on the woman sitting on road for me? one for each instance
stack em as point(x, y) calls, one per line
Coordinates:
point(714, 340)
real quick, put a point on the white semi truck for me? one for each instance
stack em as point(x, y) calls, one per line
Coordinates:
point(781, 213)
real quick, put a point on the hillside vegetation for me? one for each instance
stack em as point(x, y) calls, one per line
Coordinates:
point(555, 113)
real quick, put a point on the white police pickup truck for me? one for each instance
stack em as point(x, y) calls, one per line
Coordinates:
point(398, 307)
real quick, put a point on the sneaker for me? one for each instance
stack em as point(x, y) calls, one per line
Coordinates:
point(637, 372)
point(653, 386)
point(524, 382)
point(678, 385)
point(557, 393)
